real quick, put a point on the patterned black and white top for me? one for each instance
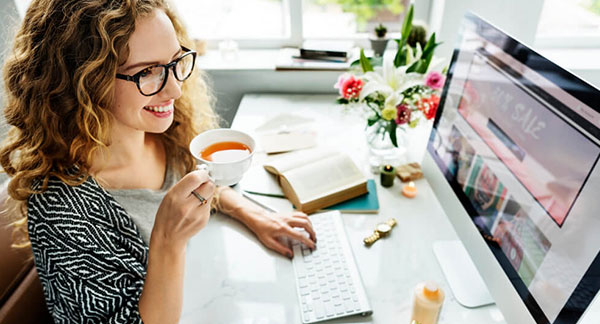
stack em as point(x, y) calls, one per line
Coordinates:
point(89, 255)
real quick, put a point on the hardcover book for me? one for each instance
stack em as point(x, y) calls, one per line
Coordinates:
point(363, 204)
point(314, 179)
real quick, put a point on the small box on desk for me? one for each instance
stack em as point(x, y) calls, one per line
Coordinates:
point(409, 172)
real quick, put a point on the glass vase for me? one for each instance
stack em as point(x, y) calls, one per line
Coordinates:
point(380, 148)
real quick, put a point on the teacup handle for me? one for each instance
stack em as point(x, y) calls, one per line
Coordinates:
point(205, 167)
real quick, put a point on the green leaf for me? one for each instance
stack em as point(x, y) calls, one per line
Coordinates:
point(422, 65)
point(416, 66)
point(407, 23)
point(372, 120)
point(342, 100)
point(392, 131)
point(365, 64)
point(428, 53)
point(375, 61)
point(400, 59)
point(413, 123)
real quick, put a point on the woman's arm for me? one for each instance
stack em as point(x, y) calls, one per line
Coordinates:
point(180, 216)
point(267, 226)
point(162, 297)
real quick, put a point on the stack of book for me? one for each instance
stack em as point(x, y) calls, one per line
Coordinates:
point(317, 56)
point(324, 55)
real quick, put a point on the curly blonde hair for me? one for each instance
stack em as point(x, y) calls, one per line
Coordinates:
point(59, 84)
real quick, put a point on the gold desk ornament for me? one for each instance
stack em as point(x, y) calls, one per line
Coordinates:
point(381, 230)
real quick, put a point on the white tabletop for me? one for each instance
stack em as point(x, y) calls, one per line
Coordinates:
point(232, 278)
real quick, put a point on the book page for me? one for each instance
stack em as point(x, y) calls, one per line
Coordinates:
point(292, 160)
point(330, 175)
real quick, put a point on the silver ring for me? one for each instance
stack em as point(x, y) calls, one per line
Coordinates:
point(203, 200)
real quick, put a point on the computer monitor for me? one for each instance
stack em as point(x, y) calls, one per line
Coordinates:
point(513, 160)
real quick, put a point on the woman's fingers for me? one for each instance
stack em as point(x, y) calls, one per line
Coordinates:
point(278, 247)
point(300, 214)
point(203, 194)
point(299, 236)
point(190, 181)
point(305, 224)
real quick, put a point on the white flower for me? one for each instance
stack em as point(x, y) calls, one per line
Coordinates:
point(389, 81)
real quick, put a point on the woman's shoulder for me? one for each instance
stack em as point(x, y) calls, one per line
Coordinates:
point(83, 213)
point(57, 191)
point(87, 200)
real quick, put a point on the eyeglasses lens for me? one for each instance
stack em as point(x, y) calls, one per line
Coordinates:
point(152, 79)
point(184, 66)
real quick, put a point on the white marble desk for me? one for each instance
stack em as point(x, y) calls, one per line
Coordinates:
point(232, 278)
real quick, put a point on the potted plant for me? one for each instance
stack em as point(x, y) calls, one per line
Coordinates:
point(379, 42)
point(418, 34)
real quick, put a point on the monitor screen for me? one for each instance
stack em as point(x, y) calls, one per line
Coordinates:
point(518, 140)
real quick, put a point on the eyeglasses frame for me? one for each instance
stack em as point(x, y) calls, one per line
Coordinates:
point(136, 77)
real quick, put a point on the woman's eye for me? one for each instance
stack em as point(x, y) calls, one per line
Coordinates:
point(144, 72)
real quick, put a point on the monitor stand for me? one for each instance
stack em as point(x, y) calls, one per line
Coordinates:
point(462, 276)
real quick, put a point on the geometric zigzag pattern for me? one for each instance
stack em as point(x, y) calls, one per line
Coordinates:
point(89, 255)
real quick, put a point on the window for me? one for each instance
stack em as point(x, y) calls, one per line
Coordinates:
point(347, 18)
point(569, 24)
point(277, 23)
point(233, 19)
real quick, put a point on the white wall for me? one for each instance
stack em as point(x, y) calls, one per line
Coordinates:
point(230, 85)
point(518, 18)
point(9, 19)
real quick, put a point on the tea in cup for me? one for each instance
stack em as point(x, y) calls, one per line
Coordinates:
point(227, 154)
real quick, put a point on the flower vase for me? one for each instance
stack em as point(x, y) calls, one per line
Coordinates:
point(381, 150)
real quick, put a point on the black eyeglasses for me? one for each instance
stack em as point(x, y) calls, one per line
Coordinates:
point(153, 79)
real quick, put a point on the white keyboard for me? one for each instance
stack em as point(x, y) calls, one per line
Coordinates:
point(327, 279)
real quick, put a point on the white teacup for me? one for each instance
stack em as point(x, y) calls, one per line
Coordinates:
point(223, 173)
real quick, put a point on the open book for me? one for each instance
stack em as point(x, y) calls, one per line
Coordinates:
point(317, 178)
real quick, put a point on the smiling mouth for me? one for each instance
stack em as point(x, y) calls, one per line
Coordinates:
point(160, 109)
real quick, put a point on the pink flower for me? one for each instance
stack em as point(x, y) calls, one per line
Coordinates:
point(435, 80)
point(349, 86)
point(403, 115)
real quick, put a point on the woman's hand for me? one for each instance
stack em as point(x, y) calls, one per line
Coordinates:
point(271, 227)
point(182, 214)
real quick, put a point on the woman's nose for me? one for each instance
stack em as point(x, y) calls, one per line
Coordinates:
point(173, 86)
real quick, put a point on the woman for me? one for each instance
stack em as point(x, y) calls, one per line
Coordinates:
point(103, 103)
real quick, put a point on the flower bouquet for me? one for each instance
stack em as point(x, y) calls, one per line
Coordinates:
point(399, 92)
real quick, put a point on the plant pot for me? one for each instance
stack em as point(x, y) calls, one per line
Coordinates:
point(378, 45)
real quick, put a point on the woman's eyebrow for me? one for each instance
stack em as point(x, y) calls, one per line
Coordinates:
point(140, 64)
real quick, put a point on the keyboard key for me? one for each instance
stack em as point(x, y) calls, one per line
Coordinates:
point(319, 310)
point(329, 310)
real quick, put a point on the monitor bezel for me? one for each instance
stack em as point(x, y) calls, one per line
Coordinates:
point(511, 286)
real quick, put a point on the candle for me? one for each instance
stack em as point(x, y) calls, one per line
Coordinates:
point(388, 174)
point(409, 190)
